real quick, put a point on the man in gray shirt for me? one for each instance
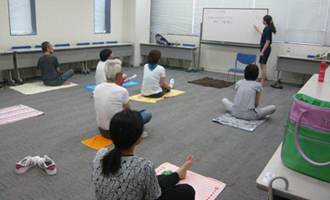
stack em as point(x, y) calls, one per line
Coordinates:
point(48, 64)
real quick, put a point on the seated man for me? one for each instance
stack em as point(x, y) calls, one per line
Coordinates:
point(48, 64)
point(105, 55)
point(110, 98)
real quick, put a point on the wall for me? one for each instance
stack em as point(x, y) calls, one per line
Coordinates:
point(136, 25)
point(218, 58)
point(63, 21)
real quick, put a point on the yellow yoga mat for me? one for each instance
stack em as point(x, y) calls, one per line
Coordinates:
point(97, 142)
point(141, 98)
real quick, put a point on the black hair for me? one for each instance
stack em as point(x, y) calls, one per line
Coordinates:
point(126, 128)
point(104, 54)
point(251, 72)
point(44, 46)
point(154, 56)
point(269, 21)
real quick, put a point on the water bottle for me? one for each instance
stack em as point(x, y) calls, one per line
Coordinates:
point(176, 42)
point(288, 51)
point(322, 71)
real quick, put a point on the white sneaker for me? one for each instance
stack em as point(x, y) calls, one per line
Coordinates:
point(132, 77)
point(26, 163)
point(172, 83)
point(48, 165)
point(144, 134)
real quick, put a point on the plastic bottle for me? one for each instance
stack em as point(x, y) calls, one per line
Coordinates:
point(322, 71)
point(176, 42)
point(288, 51)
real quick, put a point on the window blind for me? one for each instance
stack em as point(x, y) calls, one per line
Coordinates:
point(172, 17)
point(99, 18)
point(20, 15)
point(298, 21)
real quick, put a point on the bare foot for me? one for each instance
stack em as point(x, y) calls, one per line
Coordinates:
point(66, 83)
point(182, 171)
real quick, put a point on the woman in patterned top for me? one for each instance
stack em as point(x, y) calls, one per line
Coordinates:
point(119, 174)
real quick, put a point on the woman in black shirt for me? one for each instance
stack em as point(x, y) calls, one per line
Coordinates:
point(265, 44)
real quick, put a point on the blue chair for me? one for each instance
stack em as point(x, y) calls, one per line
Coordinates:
point(96, 43)
point(62, 45)
point(83, 44)
point(188, 45)
point(112, 42)
point(21, 47)
point(310, 56)
point(244, 59)
point(37, 46)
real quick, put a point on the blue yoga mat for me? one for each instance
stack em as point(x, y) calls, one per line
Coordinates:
point(125, 85)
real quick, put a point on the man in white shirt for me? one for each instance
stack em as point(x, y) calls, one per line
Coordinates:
point(110, 98)
point(105, 55)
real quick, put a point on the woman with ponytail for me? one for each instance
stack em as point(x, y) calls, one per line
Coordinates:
point(265, 45)
point(119, 174)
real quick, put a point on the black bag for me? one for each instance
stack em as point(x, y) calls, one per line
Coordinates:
point(161, 40)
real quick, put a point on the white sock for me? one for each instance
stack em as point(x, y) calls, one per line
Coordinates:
point(133, 77)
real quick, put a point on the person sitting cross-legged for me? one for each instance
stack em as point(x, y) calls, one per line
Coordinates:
point(50, 71)
point(110, 98)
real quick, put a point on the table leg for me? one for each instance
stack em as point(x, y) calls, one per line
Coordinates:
point(277, 84)
point(192, 63)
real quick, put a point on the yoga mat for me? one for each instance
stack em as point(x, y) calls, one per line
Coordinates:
point(125, 85)
point(97, 142)
point(206, 188)
point(17, 113)
point(229, 120)
point(38, 87)
point(210, 82)
point(141, 98)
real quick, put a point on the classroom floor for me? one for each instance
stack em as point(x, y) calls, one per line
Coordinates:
point(180, 126)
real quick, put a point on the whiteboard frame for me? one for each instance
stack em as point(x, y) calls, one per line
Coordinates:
point(229, 42)
point(225, 43)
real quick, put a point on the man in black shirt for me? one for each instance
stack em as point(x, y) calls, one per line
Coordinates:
point(48, 64)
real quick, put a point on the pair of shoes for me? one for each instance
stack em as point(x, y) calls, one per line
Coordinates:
point(144, 134)
point(44, 163)
point(172, 83)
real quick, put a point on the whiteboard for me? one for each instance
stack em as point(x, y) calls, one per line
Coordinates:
point(232, 25)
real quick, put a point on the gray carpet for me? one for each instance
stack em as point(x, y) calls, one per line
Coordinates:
point(180, 126)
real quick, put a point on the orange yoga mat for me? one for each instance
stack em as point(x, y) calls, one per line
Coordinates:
point(97, 142)
point(206, 188)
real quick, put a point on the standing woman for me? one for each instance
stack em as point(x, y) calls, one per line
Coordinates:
point(265, 45)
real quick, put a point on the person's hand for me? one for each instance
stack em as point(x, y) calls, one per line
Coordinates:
point(261, 54)
point(257, 28)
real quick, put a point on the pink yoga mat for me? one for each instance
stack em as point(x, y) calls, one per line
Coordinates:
point(206, 188)
point(17, 113)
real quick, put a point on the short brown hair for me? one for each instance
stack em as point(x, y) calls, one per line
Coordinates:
point(154, 56)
